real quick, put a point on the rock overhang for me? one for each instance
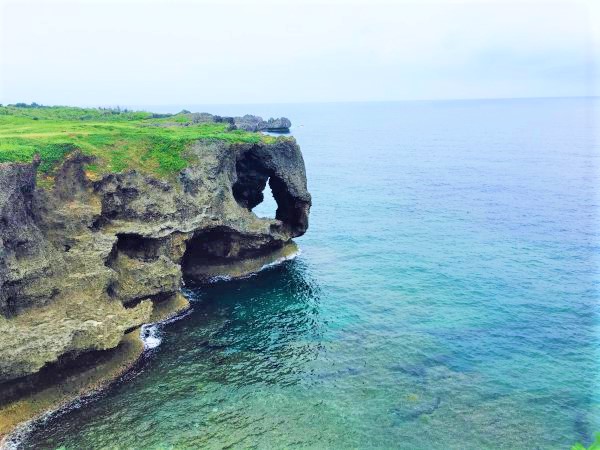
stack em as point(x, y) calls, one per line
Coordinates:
point(127, 240)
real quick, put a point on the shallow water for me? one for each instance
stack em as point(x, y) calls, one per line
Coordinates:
point(447, 296)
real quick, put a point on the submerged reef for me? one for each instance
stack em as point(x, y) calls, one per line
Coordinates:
point(91, 250)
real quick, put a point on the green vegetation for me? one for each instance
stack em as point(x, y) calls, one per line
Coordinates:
point(119, 140)
point(594, 446)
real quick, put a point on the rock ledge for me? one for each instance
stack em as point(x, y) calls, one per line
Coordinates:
point(86, 261)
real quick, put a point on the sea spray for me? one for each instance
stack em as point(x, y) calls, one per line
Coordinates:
point(269, 265)
point(151, 333)
point(151, 336)
point(281, 260)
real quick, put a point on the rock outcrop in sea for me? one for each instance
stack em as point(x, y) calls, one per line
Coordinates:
point(247, 122)
point(86, 261)
point(256, 123)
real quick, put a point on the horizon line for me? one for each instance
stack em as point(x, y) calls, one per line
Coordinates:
point(322, 102)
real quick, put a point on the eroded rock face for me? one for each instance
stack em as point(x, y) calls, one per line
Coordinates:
point(85, 262)
point(256, 123)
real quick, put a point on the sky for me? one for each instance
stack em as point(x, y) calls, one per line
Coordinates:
point(166, 52)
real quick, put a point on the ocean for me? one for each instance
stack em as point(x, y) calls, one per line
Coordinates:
point(447, 296)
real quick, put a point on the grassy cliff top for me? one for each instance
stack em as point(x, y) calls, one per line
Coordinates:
point(119, 139)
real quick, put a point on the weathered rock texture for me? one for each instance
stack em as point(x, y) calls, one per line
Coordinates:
point(256, 123)
point(86, 261)
point(246, 123)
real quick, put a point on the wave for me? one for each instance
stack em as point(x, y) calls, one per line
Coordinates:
point(274, 263)
point(151, 335)
point(281, 260)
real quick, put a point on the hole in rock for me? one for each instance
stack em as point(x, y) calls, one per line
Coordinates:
point(252, 177)
point(268, 206)
point(156, 298)
point(137, 247)
point(250, 189)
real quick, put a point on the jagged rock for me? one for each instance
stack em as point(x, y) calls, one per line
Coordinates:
point(281, 124)
point(25, 255)
point(247, 122)
point(138, 279)
point(76, 258)
point(256, 123)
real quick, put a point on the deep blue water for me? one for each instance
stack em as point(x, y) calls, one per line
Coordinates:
point(447, 296)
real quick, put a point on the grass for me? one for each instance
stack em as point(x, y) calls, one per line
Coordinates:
point(119, 140)
point(594, 446)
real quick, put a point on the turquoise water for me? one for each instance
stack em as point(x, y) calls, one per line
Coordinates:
point(446, 297)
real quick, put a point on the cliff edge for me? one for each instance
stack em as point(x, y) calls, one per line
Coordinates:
point(88, 254)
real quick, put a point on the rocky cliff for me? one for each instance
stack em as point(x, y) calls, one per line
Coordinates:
point(88, 259)
point(256, 123)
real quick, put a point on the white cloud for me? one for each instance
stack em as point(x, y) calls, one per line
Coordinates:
point(166, 52)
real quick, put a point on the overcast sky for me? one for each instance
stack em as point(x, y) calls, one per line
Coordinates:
point(158, 52)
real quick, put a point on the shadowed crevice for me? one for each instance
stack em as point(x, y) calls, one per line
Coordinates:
point(253, 172)
point(219, 246)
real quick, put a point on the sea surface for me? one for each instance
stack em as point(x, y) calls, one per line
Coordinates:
point(446, 296)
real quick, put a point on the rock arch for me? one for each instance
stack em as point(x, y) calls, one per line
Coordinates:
point(283, 168)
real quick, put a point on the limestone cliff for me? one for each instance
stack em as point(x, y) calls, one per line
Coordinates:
point(86, 260)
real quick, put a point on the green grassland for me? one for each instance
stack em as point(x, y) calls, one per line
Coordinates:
point(120, 140)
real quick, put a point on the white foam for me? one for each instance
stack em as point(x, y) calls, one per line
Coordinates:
point(16, 439)
point(281, 260)
point(151, 335)
point(277, 262)
point(218, 278)
point(13, 441)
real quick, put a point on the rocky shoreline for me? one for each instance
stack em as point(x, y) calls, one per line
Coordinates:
point(86, 262)
point(56, 389)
